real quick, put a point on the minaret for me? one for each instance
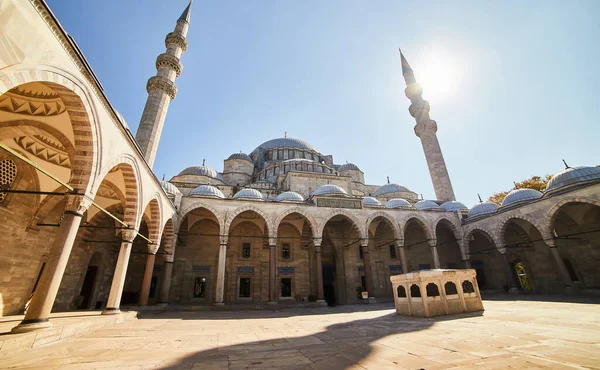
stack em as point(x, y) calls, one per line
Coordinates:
point(162, 89)
point(425, 129)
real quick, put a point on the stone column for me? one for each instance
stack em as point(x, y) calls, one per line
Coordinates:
point(145, 293)
point(220, 286)
point(47, 288)
point(467, 263)
point(403, 257)
point(514, 285)
point(319, 270)
point(560, 264)
point(367, 265)
point(272, 272)
point(163, 297)
point(116, 288)
point(434, 253)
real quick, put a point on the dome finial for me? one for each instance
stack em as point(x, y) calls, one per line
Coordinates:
point(479, 196)
point(163, 177)
point(516, 186)
point(285, 134)
point(203, 162)
point(566, 165)
point(388, 178)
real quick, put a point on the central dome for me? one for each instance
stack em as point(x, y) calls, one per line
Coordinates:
point(284, 142)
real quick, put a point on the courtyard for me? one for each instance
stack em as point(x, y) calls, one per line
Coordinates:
point(529, 333)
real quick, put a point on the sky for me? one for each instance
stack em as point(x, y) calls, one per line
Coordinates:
point(513, 85)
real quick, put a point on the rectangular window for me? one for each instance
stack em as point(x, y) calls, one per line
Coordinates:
point(286, 287)
point(285, 252)
point(244, 288)
point(392, 251)
point(246, 250)
point(199, 287)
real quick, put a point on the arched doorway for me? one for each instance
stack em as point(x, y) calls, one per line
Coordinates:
point(488, 262)
point(447, 245)
point(384, 255)
point(416, 246)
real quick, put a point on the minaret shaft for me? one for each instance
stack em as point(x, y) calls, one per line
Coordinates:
point(426, 129)
point(162, 89)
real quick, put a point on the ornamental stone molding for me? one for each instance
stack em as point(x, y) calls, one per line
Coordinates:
point(176, 39)
point(421, 128)
point(31, 104)
point(163, 84)
point(422, 105)
point(45, 149)
point(77, 203)
point(317, 242)
point(127, 235)
point(169, 61)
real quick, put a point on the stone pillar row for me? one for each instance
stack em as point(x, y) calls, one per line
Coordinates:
point(367, 266)
point(116, 288)
point(145, 293)
point(319, 268)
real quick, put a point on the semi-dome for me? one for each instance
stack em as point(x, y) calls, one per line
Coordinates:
point(243, 156)
point(169, 188)
point(483, 208)
point(423, 205)
point(398, 203)
point(573, 175)
point(207, 191)
point(284, 142)
point(201, 171)
point(248, 194)
point(370, 201)
point(521, 195)
point(390, 188)
point(453, 205)
point(348, 167)
point(329, 190)
point(289, 196)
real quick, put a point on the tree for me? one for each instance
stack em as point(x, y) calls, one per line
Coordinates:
point(535, 182)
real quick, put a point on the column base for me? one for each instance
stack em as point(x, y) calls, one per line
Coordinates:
point(321, 302)
point(162, 304)
point(272, 303)
point(513, 290)
point(31, 325)
point(219, 304)
point(111, 311)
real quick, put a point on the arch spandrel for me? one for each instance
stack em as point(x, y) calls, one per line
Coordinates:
point(311, 221)
point(340, 212)
point(219, 216)
point(271, 233)
point(390, 222)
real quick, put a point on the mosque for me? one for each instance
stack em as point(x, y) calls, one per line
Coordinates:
point(86, 224)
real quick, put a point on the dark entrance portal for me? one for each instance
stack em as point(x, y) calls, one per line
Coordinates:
point(328, 288)
point(88, 286)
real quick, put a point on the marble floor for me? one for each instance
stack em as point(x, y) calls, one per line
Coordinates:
point(523, 334)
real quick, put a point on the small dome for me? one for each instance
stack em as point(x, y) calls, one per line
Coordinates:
point(573, 175)
point(289, 196)
point(207, 191)
point(349, 167)
point(201, 171)
point(426, 204)
point(243, 156)
point(398, 203)
point(329, 190)
point(284, 142)
point(521, 195)
point(453, 205)
point(483, 209)
point(170, 189)
point(390, 188)
point(370, 201)
point(248, 194)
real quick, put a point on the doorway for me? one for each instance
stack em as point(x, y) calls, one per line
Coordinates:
point(88, 287)
point(328, 287)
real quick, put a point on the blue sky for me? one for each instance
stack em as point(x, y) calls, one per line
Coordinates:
point(519, 81)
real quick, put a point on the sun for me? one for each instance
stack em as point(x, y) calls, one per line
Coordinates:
point(439, 75)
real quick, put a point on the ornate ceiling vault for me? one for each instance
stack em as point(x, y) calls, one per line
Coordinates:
point(45, 148)
point(32, 103)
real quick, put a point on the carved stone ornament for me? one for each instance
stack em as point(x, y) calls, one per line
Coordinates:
point(162, 83)
point(176, 39)
point(415, 107)
point(224, 239)
point(153, 248)
point(127, 235)
point(169, 61)
point(77, 203)
point(317, 241)
point(420, 128)
point(272, 241)
point(364, 242)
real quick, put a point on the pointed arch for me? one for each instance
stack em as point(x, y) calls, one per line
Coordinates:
point(311, 221)
point(271, 233)
point(551, 214)
point(155, 222)
point(208, 207)
point(388, 219)
point(501, 229)
point(168, 237)
point(453, 226)
point(341, 212)
point(421, 220)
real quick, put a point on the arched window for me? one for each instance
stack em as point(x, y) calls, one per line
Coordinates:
point(468, 287)
point(432, 290)
point(415, 291)
point(401, 292)
point(8, 174)
point(450, 288)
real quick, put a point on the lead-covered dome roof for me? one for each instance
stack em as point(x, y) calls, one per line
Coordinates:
point(426, 204)
point(284, 142)
point(348, 167)
point(370, 201)
point(573, 175)
point(329, 190)
point(390, 188)
point(249, 194)
point(243, 156)
point(483, 208)
point(521, 195)
point(453, 205)
point(201, 171)
point(289, 196)
point(398, 203)
point(207, 191)
point(169, 188)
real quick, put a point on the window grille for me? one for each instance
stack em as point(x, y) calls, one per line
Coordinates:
point(8, 174)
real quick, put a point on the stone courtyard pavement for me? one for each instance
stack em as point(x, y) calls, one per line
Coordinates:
point(524, 334)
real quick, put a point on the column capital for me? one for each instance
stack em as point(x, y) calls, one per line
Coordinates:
point(128, 235)
point(550, 243)
point(317, 241)
point(153, 248)
point(364, 242)
point(272, 241)
point(432, 242)
point(168, 258)
point(77, 203)
point(399, 243)
point(224, 239)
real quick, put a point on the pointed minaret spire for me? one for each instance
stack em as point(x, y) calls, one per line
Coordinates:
point(162, 89)
point(425, 129)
